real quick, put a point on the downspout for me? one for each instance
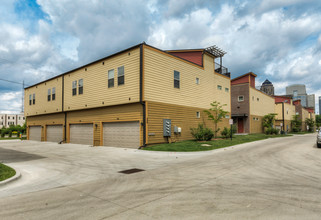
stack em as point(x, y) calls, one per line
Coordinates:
point(141, 93)
point(62, 108)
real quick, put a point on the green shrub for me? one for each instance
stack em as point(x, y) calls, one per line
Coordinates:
point(269, 131)
point(201, 133)
point(226, 133)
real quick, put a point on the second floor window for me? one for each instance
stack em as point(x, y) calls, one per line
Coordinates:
point(176, 79)
point(49, 95)
point(110, 78)
point(53, 96)
point(74, 87)
point(121, 75)
point(34, 98)
point(80, 87)
point(30, 99)
point(219, 87)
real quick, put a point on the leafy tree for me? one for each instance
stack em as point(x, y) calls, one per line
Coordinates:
point(216, 114)
point(318, 121)
point(296, 123)
point(268, 120)
point(310, 123)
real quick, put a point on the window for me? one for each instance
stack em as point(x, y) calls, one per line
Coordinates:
point(197, 81)
point(110, 78)
point(8, 117)
point(295, 93)
point(12, 117)
point(53, 96)
point(34, 98)
point(80, 87)
point(254, 118)
point(49, 94)
point(258, 99)
point(219, 87)
point(253, 98)
point(176, 79)
point(19, 118)
point(198, 114)
point(240, 98)
point(227, 89)
point(30, 99)
point(227, 116)
point(23, 118)
point(121, 75)
point(74, 87)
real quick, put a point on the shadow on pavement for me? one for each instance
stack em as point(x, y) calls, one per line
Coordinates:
point(10, 156)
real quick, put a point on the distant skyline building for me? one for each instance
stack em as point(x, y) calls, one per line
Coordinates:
point(267, 87)
point(298, 92)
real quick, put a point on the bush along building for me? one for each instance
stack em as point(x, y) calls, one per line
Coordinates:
point(249, 105)
point(139, 96)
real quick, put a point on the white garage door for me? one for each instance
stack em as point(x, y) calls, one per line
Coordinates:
point(81, 134)
point(35, 133)
point(54, 133)
point(121, 134)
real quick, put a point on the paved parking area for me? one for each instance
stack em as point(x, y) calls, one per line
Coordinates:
point(269, 179)
point(45, 165)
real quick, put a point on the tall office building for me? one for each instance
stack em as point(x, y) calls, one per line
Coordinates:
point(298, 92)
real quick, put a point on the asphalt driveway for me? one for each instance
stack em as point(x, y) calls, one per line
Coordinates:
point(269, 179)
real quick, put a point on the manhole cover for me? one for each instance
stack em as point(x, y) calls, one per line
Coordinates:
point(130, 171)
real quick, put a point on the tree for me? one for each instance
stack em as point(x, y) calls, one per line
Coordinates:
point(296, 123)
point(318, 121)
point(216, 114)
point(268, 120)
point(310, 123)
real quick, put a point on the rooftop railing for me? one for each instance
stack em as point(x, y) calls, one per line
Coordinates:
point(222, 70)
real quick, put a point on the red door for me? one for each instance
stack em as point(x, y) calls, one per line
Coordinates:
point(240, 127)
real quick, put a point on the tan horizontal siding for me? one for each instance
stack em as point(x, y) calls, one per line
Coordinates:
point(181, 116)
point(95, 83)
point(263, 106)
point(159, 81)
point(42, 105)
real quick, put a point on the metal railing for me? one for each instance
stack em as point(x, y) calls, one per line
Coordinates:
point(222, 70)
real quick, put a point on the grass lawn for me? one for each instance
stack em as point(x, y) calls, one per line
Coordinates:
point(6, 172)
point(301, 132)
point(186, 146)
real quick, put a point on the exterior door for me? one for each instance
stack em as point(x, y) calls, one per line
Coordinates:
point(122, 134)
point(240, 125)
point(35, 133)
point(81, 134)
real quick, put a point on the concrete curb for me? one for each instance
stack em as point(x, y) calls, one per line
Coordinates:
point(15, 177)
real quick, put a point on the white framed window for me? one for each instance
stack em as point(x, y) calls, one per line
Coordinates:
point(30, 99)
point(121, 75)
point(34, 99)
point(219, 87)
point(80, 86)
point(176, 79)
point(49, 95)
point(74, 87)
point(53, 94)
point(258, 99)
point(198, 114)
point(240, 98)
point(227, 116)
point(227, 89)
point(111, 76)
point(197, 80)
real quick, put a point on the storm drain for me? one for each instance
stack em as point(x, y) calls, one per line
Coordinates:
point(130, 171)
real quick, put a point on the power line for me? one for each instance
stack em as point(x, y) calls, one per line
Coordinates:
point(13, 82)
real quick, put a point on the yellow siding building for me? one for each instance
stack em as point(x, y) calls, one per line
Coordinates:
point(123, 99)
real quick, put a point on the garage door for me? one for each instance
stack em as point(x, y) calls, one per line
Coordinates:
point(54, 133)
point(35, 133)
point(81, 134)
point(121, 134)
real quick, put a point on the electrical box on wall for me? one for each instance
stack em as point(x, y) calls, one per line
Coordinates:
point(177, 130)
point(167, 124)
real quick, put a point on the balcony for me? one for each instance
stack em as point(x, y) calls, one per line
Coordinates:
point(222, 70)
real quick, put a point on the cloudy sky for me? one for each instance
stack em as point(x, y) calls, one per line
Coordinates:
point(277, 40)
